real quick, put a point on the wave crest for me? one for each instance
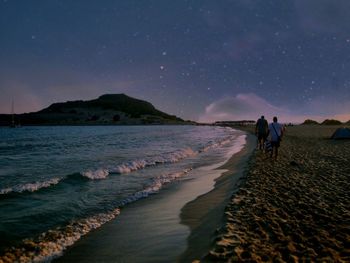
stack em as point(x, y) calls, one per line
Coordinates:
point(52, 243)
point(30, 187)
point(132, 166)
point(96, 175)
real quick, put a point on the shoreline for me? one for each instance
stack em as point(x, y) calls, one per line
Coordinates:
point(296, 208)
point(205, 214)
point(157, 217)
point(163, 238)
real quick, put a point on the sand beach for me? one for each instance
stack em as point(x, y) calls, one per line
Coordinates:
point(294, 209)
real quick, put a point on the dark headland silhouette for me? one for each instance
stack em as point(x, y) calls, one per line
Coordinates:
point(107, 109)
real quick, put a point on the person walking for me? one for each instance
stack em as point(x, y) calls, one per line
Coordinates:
point(275, 132)
point(261, 131)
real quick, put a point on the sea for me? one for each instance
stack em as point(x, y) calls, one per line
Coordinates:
point(60, 183)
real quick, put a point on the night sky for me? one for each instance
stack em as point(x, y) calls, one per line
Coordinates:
point(201, 60)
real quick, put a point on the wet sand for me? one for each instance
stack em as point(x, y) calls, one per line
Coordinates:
point(296, 208)
point(205, 214)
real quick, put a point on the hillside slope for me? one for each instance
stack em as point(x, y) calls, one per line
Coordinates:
point(107, 109)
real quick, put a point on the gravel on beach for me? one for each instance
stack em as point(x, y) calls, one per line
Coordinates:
point(295, 208)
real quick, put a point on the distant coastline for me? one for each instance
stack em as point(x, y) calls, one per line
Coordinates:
point(108, 109)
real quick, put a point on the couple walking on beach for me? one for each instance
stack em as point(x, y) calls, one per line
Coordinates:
point(269, 135)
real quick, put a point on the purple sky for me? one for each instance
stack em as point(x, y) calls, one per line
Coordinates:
point(201, 60)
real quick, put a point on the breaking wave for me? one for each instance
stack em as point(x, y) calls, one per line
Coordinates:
point(139, 164)
point(52, 243)
point(173, 157)
point(128, 167)
point(95, 175)
point(30, 187)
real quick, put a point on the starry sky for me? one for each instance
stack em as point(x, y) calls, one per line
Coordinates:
point(199, 59)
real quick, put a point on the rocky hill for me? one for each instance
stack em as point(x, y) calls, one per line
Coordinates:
point(310, 122)
point(325, 122)
point(331, 122)
point(107, 109)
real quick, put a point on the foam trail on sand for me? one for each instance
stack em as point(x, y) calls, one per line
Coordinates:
point(217, 144)
point(155, 186)
point(238, 145)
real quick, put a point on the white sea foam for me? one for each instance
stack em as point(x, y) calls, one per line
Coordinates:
point(132, 166)
point(172, 157)
point(179, 155)
point(52, 243)
point(218, 144)
point(155, 186)
point(96, 175)
point(30, 187)
point(238, 145)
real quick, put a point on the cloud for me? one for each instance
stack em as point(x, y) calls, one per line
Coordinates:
point(242, 106)
point(250, 107)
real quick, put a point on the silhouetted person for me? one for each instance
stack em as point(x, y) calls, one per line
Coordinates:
point(261, 131)
point(276, 133)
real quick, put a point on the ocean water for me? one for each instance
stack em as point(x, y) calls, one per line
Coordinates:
point(57, 184)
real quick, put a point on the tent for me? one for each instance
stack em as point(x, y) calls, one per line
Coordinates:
point(341, 133)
